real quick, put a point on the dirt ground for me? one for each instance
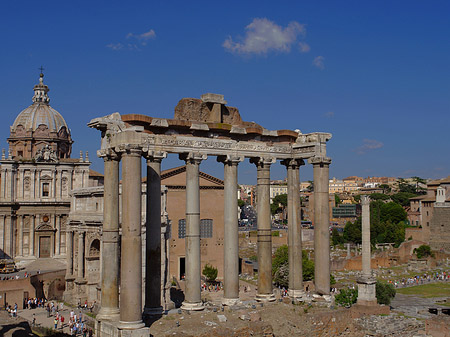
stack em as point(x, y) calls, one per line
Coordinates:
point(278, 319)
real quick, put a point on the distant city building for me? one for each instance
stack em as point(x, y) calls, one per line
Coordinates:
point(277, 187)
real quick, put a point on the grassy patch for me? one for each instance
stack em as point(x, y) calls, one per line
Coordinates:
point(438, 289)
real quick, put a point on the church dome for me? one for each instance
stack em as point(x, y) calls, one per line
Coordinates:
point(38, 126)
point(40, 112)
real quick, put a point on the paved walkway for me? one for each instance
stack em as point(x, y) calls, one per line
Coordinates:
point(43, 320)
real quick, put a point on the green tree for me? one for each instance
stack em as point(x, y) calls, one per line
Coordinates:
point(352, 231)
point(308, 267)
point(379, 196)
point(337, 200)
point(310, 187)
point(402, 198)
point(210, 272)
point(279, 203)
point(418, 181)
point(385, 292)
point(393, 212)
point(241, 203)
point(346, 297)
point(336, 237)
point(386, 188)
point(423, 251)
point(280, 266)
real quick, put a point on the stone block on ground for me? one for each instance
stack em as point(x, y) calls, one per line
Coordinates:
point(222, 318)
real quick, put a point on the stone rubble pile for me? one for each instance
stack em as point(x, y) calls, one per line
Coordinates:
point(391, 325)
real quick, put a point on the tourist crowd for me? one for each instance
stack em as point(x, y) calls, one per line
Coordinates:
point(421, 279)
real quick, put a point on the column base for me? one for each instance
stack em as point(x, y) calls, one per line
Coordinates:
point(130, 325)
point(367, 290)
point(108, 314)
point(155, 311)
point(296, 294)
point(192, 306)
point(265, 297)
point(230, 301)
point(112, 329)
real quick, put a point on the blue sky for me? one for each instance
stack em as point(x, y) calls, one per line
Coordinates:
point(376, 74)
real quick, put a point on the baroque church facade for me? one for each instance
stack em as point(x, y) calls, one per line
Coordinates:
point(37, 177)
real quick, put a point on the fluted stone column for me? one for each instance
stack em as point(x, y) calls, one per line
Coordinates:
point(80, 262)
point(192, 298)
point(321, 225)
point(294, 229)
point(265, 288)
point(366, 281)
point(58, 235)
point(109, 309)
point(231, 230)
point(153, 236)
point(131, 248)
point(31, 239)
point(69, 253)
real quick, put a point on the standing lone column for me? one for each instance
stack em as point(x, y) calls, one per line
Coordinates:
point(153, 236)
point(294, 229)
point(265, 288)
point(131, 249)
point(231, 229)
point(192, 299)
point(109, 309)
point(321, 166)
point(366, 282)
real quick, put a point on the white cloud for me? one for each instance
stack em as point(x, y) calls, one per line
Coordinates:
point(369, 145)
point(144, 37)
point(303, 47)
point(115, 46)
point(318, 62)
point(136, 40)
point(263, 35)
point(329, 114)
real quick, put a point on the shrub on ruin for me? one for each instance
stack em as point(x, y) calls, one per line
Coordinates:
point(385, 292)
point(346, 297)
point(209, 272)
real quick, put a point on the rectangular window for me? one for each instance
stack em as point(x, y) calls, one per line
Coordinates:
point(45, 189)
point(181, 228)
point(206, 228)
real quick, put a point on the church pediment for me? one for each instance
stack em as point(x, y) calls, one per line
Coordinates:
point(44, 227)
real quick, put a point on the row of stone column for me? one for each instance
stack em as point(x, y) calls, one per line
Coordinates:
point(130, 304)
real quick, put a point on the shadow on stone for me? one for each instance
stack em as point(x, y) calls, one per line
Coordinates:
point(176, 296)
